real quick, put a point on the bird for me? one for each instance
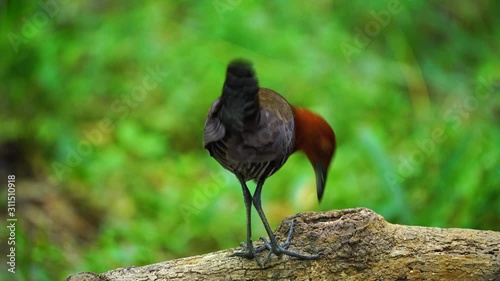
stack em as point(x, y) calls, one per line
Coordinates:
point(252, 131)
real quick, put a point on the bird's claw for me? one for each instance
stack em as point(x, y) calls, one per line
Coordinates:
point(279, 250)
point(249, 252)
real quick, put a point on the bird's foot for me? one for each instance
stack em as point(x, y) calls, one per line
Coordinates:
point(279, 250)
point(249, 252)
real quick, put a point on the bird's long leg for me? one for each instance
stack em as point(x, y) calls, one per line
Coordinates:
point(249, 250)
point(273, 244)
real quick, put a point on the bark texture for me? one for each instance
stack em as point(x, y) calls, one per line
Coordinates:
point(355, 244)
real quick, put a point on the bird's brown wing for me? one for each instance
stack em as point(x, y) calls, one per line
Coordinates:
point(264, 144)
point(271, 138)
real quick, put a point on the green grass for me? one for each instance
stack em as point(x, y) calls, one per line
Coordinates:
point(111, 171)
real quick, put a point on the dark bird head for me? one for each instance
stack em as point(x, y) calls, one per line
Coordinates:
point(316, 139)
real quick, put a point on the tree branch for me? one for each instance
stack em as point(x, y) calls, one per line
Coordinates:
point(355, 244)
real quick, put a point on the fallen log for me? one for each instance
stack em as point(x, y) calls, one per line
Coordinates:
point(355, 244)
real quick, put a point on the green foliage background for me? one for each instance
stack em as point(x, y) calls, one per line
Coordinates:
point(108, 176)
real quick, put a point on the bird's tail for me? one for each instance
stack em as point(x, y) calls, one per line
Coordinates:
point(239, 100)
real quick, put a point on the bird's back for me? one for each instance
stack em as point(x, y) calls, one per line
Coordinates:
point(251, 137)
